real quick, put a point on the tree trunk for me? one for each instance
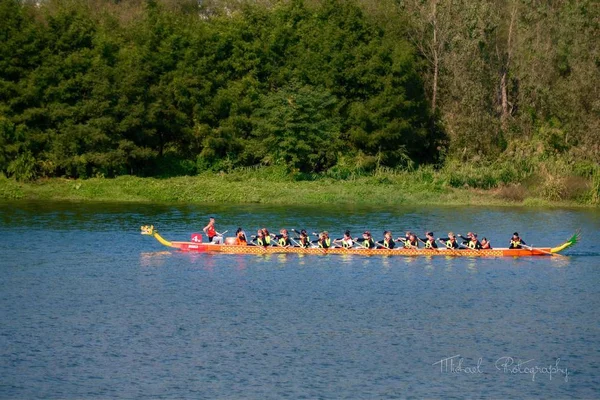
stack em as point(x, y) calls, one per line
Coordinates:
point(503, 91)
point(504, 77)
point(436, 59)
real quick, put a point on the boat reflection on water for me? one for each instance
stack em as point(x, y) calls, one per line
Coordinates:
point(385, 261)
point(560, 261)
point(472, 265)
point(449, 263)
point(240, 263)
point(265, 257)
point(154, 258)
point(428, 265)
point(282, 259)
point(301, 260)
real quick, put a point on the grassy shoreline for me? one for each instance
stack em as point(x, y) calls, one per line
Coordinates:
point(256, 188)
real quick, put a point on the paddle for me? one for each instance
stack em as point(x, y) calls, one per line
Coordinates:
point(336, 244)
point(536, 249)
point(463, 245)
point(297, 244)
point(453, 250)
point(333, 245)
point(360, 244)
point(425, 244)
point(382, 246)
point(467, 247)
point(411, 246)
point(292, 239)
point(273, 242)
point(300, 234)
point(403, 241)
point(253, 238)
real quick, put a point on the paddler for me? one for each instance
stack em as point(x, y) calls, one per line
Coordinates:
point(303, 239)
point(467, 238)
point(405, 240)
point(346, 241)
point(260, 239)
point(411, 241)
point(450, 241)
point(474, 243)
point(388, 241)
point(430, 241)
point(283, 239)
point(471, 241)
point(324, 241)
point(266, 237)
point(516, 241)
point(211, 232)
point(240, 237)
point(485, 244)
point(367, 240)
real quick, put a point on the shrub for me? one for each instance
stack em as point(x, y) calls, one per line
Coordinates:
point(553, 189)
point(596, 188)
point(23, 168)
point(514, 192)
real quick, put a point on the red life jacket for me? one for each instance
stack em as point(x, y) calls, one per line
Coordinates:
point(210, 232)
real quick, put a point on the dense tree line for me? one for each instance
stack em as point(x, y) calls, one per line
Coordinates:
point(100, 87)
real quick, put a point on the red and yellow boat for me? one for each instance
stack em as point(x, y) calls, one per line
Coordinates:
point(235, 249)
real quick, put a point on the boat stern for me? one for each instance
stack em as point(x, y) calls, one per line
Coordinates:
point(571, 242)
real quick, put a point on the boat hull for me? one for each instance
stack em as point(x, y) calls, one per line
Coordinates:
point(231, 249)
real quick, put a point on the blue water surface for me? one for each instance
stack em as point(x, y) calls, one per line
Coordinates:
point(92, 309)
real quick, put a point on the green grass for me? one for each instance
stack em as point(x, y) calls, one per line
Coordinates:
point(272, 186)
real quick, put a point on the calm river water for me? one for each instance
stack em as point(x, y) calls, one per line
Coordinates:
point(92, 309)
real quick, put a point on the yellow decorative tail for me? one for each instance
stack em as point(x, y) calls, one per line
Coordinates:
point(572, 241)
point(149, 230)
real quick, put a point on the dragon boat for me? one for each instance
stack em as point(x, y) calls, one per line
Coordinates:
point(199, 247)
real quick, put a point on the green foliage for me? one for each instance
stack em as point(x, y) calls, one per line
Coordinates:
point(103, 89)
point(297, 127)
point(325, 89)
point(23, 168)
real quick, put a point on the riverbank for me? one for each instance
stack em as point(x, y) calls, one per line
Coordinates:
point(423, 187)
